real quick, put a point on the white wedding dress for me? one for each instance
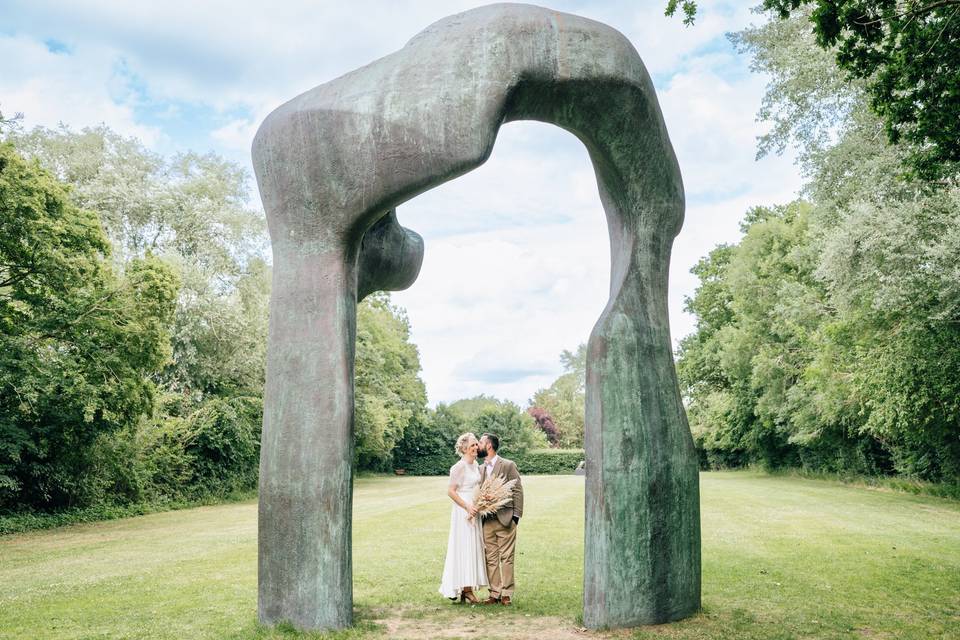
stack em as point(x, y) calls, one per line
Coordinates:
point(465, 565)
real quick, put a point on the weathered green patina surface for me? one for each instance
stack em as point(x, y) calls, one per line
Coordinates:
point(335, 162)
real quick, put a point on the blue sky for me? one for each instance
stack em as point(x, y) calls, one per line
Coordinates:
point(517, 257)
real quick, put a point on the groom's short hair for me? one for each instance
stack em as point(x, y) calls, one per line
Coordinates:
point(493, 440)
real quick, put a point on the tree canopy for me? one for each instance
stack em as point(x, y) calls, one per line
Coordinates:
point(827, 337)
point(190, 210)
point(564, 401)
point(906, 56)
point(389, 393)
point(81, 345)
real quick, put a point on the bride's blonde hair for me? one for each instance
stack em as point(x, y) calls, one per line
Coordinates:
point(461, 447)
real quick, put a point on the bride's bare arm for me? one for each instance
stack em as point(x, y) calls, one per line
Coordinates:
point(452, 492)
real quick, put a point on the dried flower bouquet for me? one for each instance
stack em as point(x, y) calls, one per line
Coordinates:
point(493, 493)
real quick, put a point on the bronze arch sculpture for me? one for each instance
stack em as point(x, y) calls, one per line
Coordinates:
point(332, 166)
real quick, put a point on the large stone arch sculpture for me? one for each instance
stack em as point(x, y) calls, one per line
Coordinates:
point(334, 163)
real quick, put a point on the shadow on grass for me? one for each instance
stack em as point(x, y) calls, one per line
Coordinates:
point(364, 626)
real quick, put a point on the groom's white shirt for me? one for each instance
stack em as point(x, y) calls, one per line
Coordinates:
point(489, 465)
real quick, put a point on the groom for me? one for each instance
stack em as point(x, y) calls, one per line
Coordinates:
point(500, 530)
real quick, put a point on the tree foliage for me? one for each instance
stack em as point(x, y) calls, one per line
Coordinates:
point(129, 383)
point(427, 446)
point(389, 395)
point(470, 408)
point(221, 442)
point(908, 55)
point(545, 423)
point(515, 428)
point(828, 336)
point(486, 414)
point(80, 345)
point(565, 400)
point(688, 7)
point(6, 122)
point(191, 210)
point(903, 54)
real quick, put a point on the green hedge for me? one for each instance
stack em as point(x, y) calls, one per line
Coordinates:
point(430, 465)
point(33, 521)
point(533, 462)
point(549, 461)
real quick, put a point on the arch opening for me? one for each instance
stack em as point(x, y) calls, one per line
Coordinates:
point(515, 268)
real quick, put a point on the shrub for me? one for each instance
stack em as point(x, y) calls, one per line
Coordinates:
point(433, 465)
point(223, 440)
point(549, 461)
point(426, 448)
point(112, 476)
point(165, 465)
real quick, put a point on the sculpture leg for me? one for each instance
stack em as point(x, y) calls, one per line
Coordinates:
point(306, 458)
point(642, 547)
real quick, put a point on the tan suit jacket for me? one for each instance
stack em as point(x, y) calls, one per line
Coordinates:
point(507, 469)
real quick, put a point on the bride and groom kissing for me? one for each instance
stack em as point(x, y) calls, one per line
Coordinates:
point(483, 530)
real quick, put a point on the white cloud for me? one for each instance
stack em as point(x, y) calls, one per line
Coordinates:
point(224, 53)
point(78, 88)
point(713, 130)
point(493, 307)
point(237, 134)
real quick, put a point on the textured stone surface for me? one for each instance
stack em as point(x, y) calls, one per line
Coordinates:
point(335, 162)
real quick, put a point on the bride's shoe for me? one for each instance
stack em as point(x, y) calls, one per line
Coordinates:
point(467, 596)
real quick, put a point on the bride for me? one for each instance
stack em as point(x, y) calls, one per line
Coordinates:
point(465, 568)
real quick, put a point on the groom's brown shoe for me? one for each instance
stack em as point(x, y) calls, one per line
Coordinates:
point(505, 601)
point(491, 600)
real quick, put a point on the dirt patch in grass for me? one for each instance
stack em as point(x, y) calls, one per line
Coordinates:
point(416, 624)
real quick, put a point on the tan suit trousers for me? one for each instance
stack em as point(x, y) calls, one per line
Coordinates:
point(498, 545)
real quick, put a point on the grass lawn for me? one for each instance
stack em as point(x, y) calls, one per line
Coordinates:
point(783, 558)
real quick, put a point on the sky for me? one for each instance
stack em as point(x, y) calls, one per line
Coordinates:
point(517, 260)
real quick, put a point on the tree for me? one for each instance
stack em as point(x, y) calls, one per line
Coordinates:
point(909, 55)
point(575, 362)
point(565, 399)
point(9, 122)
point(720, 415)
point(427, 445)
point(813, 108)
point(192, 211)
point(906, 54)
point(470, 408)
point(80, 345)
point(712, 307)
point(689, 8)
point(766, 376)
point(485, 414)
point(545, 424)
point(891, 271)
point(389, 395)
point(827, 337)
point(514, 427)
